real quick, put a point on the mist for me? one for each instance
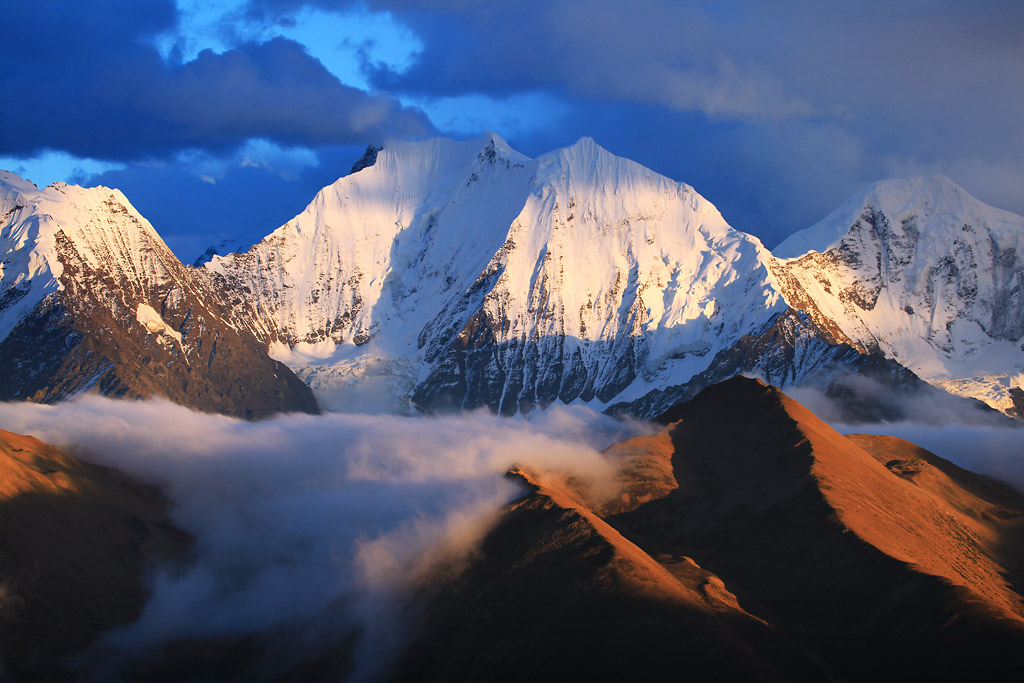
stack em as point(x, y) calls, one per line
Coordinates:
point(324, 533)
point(322, 527)
point(995, 451)
point(857, 398)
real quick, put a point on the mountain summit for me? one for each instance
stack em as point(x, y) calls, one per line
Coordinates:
point(447, 275)
point(925, 274)
point(466, 274)
point(91, 299)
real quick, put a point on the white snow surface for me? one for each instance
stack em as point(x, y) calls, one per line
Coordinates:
point(578, 245)
point(102, 226)
point(154, 323)
point(928, 274)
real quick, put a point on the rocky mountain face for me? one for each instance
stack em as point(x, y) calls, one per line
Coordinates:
point(93, 300)
point(453, 275)
point(448, 275)
point(748, 541)
point(923, 273)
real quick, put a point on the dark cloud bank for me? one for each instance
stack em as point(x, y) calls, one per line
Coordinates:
point(776, 112)
point(85, 78)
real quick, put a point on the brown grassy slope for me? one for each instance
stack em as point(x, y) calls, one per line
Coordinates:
point(880, 575)
point(75, 540)
point(985, 516)
point(557, 594)
point(746, 540)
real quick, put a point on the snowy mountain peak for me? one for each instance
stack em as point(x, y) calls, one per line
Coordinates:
point(91, 299)
point(45, 232)
point(935, 202)
point(368, 159)
point(583, 152)
point(608, 270)
point(11, 183)
point(455, 274)
point(922, 271)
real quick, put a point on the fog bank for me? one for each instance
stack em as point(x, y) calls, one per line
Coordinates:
point(321, 525)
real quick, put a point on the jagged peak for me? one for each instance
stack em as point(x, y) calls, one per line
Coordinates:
point(368, 159)
point(12, 179)
point(461, 151)
point(496, 148)
point(58, 197)
point(934, 200)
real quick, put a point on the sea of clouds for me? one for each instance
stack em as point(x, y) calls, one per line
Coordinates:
point(325, 532)
point(323, 527)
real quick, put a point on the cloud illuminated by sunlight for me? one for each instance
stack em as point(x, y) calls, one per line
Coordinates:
point(520, 114)
point(52, 166)
point(342, 41)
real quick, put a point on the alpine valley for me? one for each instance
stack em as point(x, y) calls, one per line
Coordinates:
point(447, 275)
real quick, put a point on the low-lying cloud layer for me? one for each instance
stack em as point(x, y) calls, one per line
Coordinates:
point(317, 533)
point(318, 525)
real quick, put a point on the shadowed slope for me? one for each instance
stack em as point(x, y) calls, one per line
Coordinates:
point(75, 540)
point(558, 594)
point(828, 539)
point(748, 539)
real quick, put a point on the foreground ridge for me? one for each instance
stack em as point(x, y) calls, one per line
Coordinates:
point(749, 541)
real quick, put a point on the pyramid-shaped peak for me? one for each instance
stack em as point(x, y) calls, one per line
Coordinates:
point(495, 147)
point(587, 145)
point(933, 202)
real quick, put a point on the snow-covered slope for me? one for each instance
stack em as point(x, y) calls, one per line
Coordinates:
point(450, 275)
point(923, 272)
point(92, 299)
point(466, 274)
point(97, 225)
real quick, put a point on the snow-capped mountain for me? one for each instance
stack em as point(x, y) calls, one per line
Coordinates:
point(464, 274)
point(467, 274)
point(92, 299)
point(446, 275)
point(232, 245)
point(922, 272)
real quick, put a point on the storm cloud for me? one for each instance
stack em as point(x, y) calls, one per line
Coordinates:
point(86, 78)
point(776, 112)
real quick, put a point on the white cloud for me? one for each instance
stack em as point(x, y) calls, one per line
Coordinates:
point(307, 519)
point(53, 166)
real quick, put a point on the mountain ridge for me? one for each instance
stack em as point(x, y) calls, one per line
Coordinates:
point(93, 300)
point(446, 275)
point(773, 542)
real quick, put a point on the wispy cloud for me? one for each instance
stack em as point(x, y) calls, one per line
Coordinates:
point(301, 521)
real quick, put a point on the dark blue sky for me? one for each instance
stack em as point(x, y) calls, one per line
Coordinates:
point(223, 119)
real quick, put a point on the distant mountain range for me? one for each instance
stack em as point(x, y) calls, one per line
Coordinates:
point(446, 275)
